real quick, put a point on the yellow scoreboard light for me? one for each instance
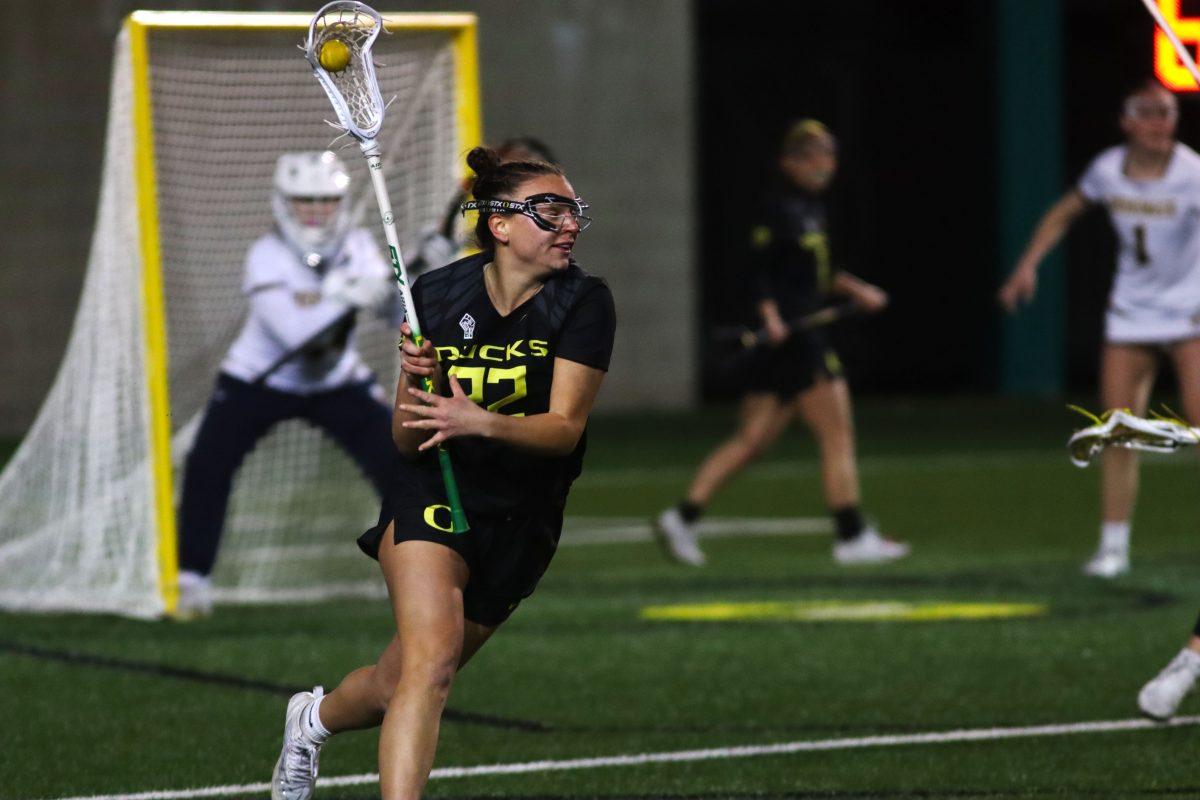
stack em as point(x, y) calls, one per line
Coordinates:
point(1167, 66)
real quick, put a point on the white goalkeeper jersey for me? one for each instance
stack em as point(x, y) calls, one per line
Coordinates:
point(289, 314)
point(1156, 292)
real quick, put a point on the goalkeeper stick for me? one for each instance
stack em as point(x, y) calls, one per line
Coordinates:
point(353, 89)
point(749, 339)
point(275, 365)
point(1184, 56)
point(1119, 428)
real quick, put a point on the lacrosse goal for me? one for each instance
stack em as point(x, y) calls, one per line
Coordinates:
point(201, 105)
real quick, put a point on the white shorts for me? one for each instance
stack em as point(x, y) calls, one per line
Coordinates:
point(1149, 326)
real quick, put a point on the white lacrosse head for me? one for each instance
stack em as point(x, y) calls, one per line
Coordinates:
point(1122, 429)
point(353, 91)
point(315, 176)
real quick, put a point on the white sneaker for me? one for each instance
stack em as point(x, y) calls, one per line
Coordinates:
point(295, 775)
point(678, 538)
point(1107, 564)
point(195, 596)
point(869, 547)
point(1160, 697)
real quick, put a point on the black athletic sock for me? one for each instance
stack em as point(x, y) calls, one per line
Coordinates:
point(1196, 630)
point(847, 522)
point(690, 511)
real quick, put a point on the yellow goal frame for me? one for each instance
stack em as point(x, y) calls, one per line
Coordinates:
point(139, 24)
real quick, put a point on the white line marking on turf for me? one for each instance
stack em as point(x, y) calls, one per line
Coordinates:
point(607, 530)
point(607, 477)
point(681, 756)
point(577, 530)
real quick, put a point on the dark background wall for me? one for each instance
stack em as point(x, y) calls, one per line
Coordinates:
point(910, 89)
point(906, 87)
point(50, 170)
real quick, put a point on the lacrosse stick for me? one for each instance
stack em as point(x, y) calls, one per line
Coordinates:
point(749, 339)
point(1118, 428)
point(336, 322)
point(338, 48)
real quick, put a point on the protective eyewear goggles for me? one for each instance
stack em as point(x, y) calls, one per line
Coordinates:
point(549, 212)
point(1138, 108)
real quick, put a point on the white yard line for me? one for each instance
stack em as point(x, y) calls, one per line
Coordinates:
point(604, 477)
point(607, 530)
point(684, 756)
point(577, 531)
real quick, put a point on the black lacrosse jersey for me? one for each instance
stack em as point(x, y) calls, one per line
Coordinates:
point(506, 365)
point(789, 253)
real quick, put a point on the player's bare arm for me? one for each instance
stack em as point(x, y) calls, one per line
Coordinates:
point(1022, 283)
point(868, 296)
point(777, 329)
point(555, 433)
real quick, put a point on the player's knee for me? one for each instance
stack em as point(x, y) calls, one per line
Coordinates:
point(383, 686)
point(756, 441)
point(837, 440)
point(833, 431)
point(433, 673)
point(758, 447)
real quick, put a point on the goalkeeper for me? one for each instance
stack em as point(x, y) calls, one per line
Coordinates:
point(797, 374)
point(306, 280)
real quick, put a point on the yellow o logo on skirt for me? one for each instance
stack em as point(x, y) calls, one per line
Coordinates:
point(431, 519)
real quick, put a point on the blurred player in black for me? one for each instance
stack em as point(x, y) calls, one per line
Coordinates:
point(519, 340)
point(796, 373)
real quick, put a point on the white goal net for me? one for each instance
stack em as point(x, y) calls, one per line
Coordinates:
point(84, 520)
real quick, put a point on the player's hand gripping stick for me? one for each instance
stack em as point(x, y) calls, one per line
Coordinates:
point(338, 48)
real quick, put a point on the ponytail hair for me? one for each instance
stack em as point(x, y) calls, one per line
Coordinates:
point(496, 179)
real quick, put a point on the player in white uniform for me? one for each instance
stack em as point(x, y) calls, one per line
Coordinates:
point(306, 281)
point(1151, 188)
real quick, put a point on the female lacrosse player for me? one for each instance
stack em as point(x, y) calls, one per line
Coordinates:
point(797, 374)
point(1151, 189)
point(294, 358)
point(519, 342)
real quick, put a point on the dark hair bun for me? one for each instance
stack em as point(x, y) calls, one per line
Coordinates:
point(484, 160)
point(495, 179)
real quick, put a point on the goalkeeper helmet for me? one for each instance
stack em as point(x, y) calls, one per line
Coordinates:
point(309, 203)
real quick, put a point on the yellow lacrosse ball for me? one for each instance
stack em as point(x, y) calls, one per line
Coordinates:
point(335, 55)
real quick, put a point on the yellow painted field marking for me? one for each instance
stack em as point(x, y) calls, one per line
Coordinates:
point(840, 611)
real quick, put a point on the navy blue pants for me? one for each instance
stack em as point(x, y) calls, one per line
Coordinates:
point(238, 416)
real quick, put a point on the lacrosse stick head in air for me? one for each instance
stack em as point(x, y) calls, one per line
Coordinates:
point(1122, 429)
point(338, 48)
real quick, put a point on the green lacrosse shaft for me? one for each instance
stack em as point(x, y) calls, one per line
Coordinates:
point(458, 518)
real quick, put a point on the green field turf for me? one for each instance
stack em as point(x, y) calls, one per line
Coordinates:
point(981, 488)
